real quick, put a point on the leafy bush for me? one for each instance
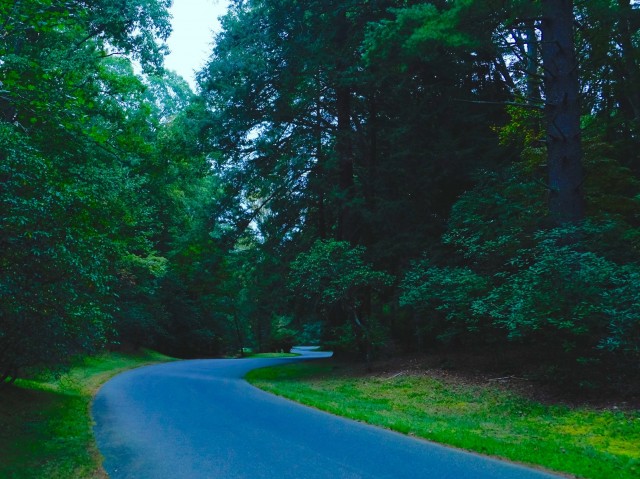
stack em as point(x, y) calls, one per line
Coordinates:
point(334, 272)
point(283, 337)
point(561, 291)
point(568, 296)
point(57, 279)
point(443, 297)
point(335, 276)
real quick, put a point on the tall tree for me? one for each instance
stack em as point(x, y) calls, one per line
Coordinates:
point(74, 132)
point(562, 111)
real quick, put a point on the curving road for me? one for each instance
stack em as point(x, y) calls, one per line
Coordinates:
point(199, 420)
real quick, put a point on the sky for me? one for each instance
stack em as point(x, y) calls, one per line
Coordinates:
point(194, 22)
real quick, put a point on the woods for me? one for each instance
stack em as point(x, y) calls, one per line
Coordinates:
point(381, 177)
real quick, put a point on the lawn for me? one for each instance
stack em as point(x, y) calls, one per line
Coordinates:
point(272, 355)
point(486, 418)
point(45, 423)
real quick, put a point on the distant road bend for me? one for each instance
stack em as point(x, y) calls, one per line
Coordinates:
point(200, 420)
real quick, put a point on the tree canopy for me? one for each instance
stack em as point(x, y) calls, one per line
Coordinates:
point(377, 176)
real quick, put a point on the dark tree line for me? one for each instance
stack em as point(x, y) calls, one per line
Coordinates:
point(479, 152)
point(378, 176)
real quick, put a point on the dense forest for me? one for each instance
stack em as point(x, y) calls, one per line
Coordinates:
point(377, 176)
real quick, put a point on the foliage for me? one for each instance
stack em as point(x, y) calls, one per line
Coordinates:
point(331, 148)
point(443, 297)
point(75, 136)
point(565, 288)
point(332, 273)
point(420, 133)
point(567, 295)
point(283, 337)
point(421, 30)
point(56, 275)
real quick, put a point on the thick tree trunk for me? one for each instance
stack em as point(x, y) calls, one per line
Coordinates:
point(630, 76)
point(562, 112)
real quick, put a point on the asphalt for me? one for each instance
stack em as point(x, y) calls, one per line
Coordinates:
point(200, 420)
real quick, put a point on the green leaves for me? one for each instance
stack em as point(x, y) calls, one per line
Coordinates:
point(566, 290)
point(563, 288)
point(76, 136)
point(420, 31)
point(451, 291)
point(334, 272)
point(336, 277)
point(56, 282)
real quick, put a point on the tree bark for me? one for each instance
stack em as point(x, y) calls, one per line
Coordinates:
point(562, 112)
point(630, 76)
point(345, 162)
point(343, 133)
point(322, 223)
point(531, 45)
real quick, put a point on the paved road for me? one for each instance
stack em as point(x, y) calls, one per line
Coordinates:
point(200, 420)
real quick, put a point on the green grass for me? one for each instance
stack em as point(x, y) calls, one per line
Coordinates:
point(272, 355)
point(45, 424)
point(490, 420)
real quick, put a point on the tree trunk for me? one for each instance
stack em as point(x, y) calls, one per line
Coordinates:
point(322, 222)
point(236, 323)
point(531, 45)
point(343, 134)
point(630, 76)
point(562, 112)
point(345, 163)
point(372, 154)
point(365, 338)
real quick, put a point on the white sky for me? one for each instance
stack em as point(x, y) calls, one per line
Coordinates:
point(194, 22)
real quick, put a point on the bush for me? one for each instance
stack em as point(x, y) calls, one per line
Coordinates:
point(336, 277)
point(443, 298)
point(562, 291)
point(282, 338)
point(569, 297)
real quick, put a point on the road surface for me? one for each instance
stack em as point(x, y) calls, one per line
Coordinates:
point(200, 420)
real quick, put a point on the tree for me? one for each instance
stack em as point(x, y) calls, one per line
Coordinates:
point(332, 273)
point(74, 131)
point(562, 112)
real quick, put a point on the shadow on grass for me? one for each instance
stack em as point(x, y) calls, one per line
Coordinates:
point(40, 436)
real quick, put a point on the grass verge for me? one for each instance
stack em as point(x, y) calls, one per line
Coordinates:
point(589, 443)
point(272, 355)
point(45, 424)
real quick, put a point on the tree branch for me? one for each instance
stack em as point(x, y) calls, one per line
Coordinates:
point(509, 103)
